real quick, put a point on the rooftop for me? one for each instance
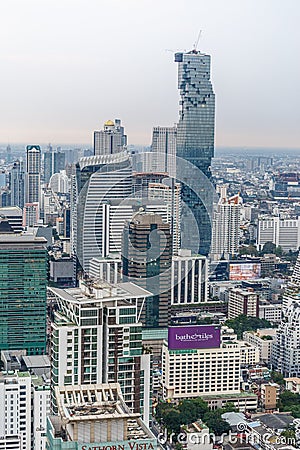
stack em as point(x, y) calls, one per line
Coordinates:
point(97, 402)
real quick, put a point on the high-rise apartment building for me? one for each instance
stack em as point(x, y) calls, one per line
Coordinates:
point(146, 261)
point(33, 174)
point(98, 179)
point(164, 150)
point(17, 184)
point(15, 410)
point(111, 139)
point(24, 400)
point(97, 338)
point(285, 349)
point(226, 227)
point(195, 141)
point(23, 272)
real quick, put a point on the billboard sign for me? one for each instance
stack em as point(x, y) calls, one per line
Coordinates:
point(194, 337)
point(244, 271)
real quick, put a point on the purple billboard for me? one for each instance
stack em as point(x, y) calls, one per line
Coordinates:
point(193, 337)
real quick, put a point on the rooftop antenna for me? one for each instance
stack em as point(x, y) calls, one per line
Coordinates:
point(197, 41)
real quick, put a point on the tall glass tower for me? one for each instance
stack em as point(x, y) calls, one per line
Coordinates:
point(23, 275)
point(195, 138)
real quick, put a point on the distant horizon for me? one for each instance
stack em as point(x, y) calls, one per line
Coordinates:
point(218, 148)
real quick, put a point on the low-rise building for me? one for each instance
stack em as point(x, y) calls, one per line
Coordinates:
point(293, 384)
point(242, 301)
point(262, 339)
point(269, 395)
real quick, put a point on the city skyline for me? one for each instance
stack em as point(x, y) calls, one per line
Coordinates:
point(64, 76)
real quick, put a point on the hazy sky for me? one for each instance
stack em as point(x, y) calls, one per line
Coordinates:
point(69, 65)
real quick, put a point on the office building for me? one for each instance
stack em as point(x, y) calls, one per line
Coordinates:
point(98, 179)
point(195, 141)
point(226, 227)
point(23, 269)
point(54, 162)
point(114, 214)
point(189, 280)
point(146, 261)
point(285, 349)
point(142, 180)
point(283, 232)
point(17, 184)
point(97, 338)
point(33, 174)
point(31, 214)
point(60, 183)
point(163, 148)
point(242, 301)
point(111, 139)
point(13, 215)
point(8, 154)
point(170, 194)
point(96, 417)
point(107, 269)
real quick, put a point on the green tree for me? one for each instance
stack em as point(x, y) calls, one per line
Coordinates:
point(172, 420)
point(268, 247)
point(278, 378)
point(215, 423)
point(244, 323)
point(288, 400)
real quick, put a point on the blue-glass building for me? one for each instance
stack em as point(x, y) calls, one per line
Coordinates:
point(195, 142)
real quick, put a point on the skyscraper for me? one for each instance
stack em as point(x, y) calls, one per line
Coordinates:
point(226, 227)
point(17, 184)
point(147, 260)
point(195, 138)
point(53, 163)
point(98, 179)
point(164, 150)
point(111, 139)
point(23, 274)
point(33, 174)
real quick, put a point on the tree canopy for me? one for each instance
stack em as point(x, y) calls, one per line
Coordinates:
point(244, 323)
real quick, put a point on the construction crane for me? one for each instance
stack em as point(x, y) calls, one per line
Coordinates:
point(197, 41)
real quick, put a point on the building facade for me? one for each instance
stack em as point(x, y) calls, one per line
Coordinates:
point(283, 232)
point(23, 268)
point(285, 349)
point(163, 148)
point(33, 174)
point(189, 279)
point(146, 261)
point(98, 180)
point(226, 227)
